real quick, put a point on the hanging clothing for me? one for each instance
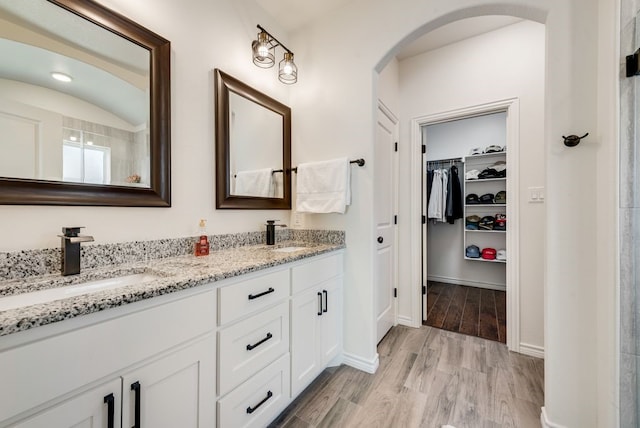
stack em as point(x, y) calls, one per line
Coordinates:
point(434, 210)
point(444, 195)
point(454, 196)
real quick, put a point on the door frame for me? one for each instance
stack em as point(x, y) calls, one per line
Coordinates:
point(382, 108)
point(419, 275)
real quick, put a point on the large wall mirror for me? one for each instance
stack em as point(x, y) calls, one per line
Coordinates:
point(84, 107)
point(253, 147)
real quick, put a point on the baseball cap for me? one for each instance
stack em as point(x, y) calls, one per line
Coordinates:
point(500, 222)
point(493, 149)
point(471, 199)
point(489, 253)
point(475, 151)
point(472, 251)
point(472, 222)
point(487, 222)
point(487, 198)
point(501, 197)
point(501, 255)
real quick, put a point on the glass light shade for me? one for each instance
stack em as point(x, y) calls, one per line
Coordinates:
point(287, 70)
point(262, 52)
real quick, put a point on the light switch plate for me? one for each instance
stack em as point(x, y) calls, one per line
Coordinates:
point(536, 194)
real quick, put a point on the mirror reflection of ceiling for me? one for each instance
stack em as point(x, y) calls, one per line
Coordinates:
point(107, 70)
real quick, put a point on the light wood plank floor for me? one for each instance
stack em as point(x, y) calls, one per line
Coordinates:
point(427, 378)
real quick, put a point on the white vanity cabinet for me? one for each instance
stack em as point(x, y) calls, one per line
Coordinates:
point(66, 379)
point(253, 343)
point(316, 319)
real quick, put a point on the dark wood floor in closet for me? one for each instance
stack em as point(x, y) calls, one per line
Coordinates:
point(468, 310)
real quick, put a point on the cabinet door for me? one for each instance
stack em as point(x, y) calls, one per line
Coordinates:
point(177, 390)
point(306, 308)
point(331, 320)
point(96, 408)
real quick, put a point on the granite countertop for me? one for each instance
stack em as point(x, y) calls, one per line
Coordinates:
point(172, 274)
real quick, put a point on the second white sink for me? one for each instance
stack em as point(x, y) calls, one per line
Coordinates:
point(49, 295)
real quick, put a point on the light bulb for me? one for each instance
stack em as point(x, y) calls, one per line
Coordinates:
point(263, 51)
point(287, 69)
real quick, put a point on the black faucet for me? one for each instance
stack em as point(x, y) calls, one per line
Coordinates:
point(71, 240)
point(271, 231)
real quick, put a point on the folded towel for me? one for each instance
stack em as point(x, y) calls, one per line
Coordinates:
point(323, 187)
point(257, 182)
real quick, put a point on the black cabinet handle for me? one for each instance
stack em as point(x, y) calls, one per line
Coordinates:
point(135, 387)
point(264, 400)
point(319, 303)
point(255, 296)
point(380, 239)
point(250, 347)
point(326, 300)
point(109, 400)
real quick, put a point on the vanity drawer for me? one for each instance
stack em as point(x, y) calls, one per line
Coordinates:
point(242, 298)
point(250, 345)
point(315, 272)
point(258, 401)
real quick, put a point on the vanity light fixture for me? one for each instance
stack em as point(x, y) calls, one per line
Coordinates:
point(263, 56)
point(61, 77)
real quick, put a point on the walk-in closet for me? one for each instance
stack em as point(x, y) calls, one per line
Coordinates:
point(465, 199)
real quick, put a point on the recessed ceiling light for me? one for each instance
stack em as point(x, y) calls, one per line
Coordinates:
point(61, 76)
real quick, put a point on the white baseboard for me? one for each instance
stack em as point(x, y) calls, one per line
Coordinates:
point(409, 322)
point(458, 281)
point(546, 423)
point(531, 350)
point(369, 366)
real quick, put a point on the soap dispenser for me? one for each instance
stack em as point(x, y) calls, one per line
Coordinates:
point(202, 245)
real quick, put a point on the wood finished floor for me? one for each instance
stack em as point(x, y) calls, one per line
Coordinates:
point(427, 378)
point(468, 310)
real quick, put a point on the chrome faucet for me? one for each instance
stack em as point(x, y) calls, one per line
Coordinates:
point(71, 240)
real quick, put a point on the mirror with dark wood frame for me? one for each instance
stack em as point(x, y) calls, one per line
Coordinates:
point(118, 42)
point(253, 147)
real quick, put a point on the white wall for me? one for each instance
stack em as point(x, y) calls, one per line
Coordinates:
point(507, 63)
point(335, 106)
point(204, 34)
point(445, 242)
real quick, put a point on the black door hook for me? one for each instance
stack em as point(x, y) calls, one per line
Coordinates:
point(573, 140)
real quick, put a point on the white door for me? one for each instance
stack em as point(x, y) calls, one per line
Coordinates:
point(385, 210)
point(96, 408)
point(174, 391)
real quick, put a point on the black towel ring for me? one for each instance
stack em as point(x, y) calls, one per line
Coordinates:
point(573, 140)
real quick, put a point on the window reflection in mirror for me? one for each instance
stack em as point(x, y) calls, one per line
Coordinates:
point(255, 149)
point(106, 96)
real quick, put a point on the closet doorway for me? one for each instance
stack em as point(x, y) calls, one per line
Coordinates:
point(450, 138)
point(465, 246)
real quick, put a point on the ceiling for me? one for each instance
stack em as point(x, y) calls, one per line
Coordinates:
point(296, 14)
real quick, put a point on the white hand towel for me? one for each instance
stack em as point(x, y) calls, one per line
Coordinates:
point(323, 187)
point(257, 182)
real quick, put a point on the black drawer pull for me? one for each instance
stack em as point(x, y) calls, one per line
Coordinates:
point(135, 387)
point(255, 296)
point(326, 300)
point(250, 347)
point(109, 400)
point(319, 303)
point(264, 400)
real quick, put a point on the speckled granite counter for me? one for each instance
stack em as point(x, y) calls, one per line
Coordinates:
point(173, 274)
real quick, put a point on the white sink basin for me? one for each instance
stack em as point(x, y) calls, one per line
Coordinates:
point(288, 249)
point(49, 295)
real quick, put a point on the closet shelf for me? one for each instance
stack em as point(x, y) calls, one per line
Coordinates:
point(485, 205)
point(485, 155)
point(485, 231)
point(485, 260)
point(483, 180)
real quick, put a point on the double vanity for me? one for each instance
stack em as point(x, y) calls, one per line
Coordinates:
point(226, 340)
